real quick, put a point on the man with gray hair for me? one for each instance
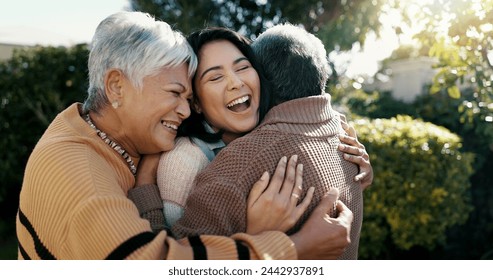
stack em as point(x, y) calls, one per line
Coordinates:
point(300, 122)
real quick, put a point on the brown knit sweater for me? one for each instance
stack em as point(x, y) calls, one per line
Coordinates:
point(74, 205)
point(307, 127)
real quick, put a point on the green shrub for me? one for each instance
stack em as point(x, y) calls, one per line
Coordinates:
point(420, 188)
point(35, 85)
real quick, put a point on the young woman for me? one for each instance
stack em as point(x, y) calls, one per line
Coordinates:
point(228, 102)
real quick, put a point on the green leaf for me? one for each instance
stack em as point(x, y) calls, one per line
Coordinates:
point(454, 92)
point(435, 89)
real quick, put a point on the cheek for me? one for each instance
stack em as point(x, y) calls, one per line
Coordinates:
point(211, 100)
point(255, 85)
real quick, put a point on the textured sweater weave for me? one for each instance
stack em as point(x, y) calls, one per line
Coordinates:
point(73, 205)
point(307, 127)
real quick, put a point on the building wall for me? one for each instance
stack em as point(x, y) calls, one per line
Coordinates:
point(409, 76)
point(406, 79)
point(6, 50)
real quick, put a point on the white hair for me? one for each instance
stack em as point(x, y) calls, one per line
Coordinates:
point(139, 46)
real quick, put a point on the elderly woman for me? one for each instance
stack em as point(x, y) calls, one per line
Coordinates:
point(73, 202)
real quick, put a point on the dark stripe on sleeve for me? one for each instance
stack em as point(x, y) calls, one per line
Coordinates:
point(42, 251)
point(129, 246)
point(199, 250)
point(243, 252)
point(24, 253)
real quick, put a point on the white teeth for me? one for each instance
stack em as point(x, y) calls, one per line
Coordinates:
point(238, 101)
point(170, 125)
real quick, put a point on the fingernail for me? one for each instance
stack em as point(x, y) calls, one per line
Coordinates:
point(284, 159)
point(294, 158)
point(265, 176)
point(346, 156)
point(300, 167)
point(334, 192)
point(341, 147)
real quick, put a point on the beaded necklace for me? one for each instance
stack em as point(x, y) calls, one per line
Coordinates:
point(113, 145)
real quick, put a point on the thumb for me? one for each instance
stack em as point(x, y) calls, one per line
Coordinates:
point(327, 202)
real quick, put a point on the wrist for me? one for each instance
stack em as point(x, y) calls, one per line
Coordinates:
point(298, 245)
point(142, 180)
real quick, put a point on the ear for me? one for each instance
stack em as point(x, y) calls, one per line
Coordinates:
point(113, 84)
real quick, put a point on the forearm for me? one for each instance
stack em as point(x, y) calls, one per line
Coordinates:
point(149, 204)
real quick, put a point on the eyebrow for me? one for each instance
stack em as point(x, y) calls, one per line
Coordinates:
point(238, 60)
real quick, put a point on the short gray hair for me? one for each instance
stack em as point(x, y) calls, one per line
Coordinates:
point(294, 60)
point(139, 46)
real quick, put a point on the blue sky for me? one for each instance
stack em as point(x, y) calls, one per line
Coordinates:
point(53, 22)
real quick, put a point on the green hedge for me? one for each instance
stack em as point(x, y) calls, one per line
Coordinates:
point(35, 85)
point(420, 188)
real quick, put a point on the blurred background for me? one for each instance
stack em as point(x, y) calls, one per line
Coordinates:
point(413, 77)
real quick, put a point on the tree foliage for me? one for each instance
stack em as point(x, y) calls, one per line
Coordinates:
point(460, 35)
point(338, 23)
point(35, 85)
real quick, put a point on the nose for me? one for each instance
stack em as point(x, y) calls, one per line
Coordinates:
point(234, 82)
point(183, 109)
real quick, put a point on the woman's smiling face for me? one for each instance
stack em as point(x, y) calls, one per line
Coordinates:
point(227, 88)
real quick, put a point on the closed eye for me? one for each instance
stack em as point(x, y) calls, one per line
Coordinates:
point(243, 68)
point(215, 78)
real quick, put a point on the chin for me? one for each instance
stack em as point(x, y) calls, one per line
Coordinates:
point(168, 147)
point(247, 128)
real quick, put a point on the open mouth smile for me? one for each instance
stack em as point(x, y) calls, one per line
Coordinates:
point(169, 125)
point(239, 104)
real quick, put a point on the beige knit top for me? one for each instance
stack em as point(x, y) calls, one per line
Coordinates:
point(74, 205)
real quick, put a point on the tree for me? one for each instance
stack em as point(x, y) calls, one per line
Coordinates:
point(35, 85)
point(460, 35)
point(339, 23)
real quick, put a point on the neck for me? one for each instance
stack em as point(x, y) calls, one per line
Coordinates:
point(229, 137)
point(108, 122)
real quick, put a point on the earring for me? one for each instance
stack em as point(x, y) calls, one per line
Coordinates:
point(115, 104)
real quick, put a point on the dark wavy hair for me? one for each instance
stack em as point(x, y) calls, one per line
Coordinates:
point(193, 125)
